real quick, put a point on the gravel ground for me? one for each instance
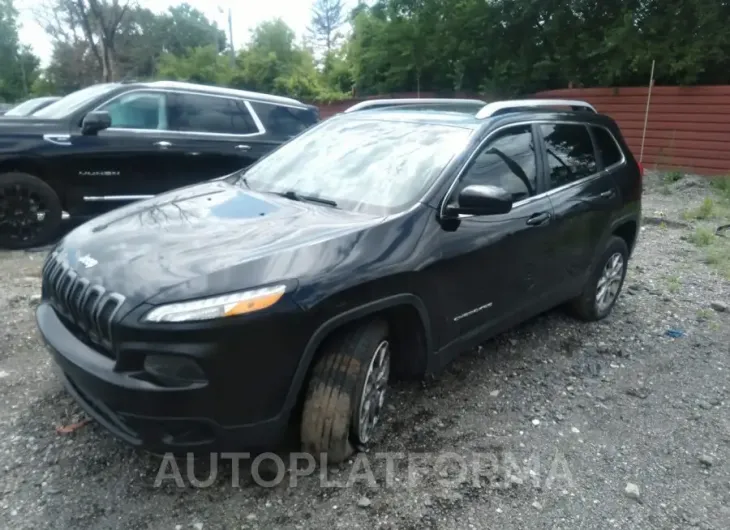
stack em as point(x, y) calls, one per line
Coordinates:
point(591, 426)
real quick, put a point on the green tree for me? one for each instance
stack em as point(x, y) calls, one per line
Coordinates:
point(19, 67)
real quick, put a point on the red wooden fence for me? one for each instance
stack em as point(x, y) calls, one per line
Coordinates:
point(688, 127)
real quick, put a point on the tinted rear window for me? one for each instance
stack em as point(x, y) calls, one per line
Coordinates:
point(285, 121)
point(607, 147)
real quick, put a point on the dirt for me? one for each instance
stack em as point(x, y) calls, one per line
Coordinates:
point(555, 424)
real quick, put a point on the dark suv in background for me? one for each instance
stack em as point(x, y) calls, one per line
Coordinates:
point(110, 144)
point(378, 244)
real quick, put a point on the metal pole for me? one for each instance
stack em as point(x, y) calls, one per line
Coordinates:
point(646, 114)
point(230, 38)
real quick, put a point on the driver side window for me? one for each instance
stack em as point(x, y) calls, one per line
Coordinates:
point(138, 110)
point(507, 161)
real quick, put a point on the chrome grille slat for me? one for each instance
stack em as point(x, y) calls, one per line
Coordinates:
point(88, 306)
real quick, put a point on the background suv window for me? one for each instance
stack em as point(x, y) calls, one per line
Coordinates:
point(569, 153)
point(211, 114)
point(606, 146)
point(284, 121)
point(138, 110)
point(508, 161)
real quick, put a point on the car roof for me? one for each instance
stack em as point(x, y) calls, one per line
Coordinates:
point(209, 89)
point(470, 121)
point(433, 117)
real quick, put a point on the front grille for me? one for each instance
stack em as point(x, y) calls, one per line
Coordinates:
point(87, 307)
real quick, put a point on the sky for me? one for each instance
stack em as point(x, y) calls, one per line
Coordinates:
point(246, 15)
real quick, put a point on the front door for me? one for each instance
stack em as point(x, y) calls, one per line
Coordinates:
point(126, 162)
point(488, 267)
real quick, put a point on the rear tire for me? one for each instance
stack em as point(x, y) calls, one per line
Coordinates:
point(30, 211)
point(604, 284)
point(347, 385)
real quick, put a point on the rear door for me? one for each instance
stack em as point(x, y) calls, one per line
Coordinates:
point(214, 135)
point(126, 162)
point(583, 195)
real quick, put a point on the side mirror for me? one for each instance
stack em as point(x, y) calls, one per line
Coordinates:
point(482, 200)
point(95, 121)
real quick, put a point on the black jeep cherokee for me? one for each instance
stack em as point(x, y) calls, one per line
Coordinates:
point(377, 244)
point(110, 144)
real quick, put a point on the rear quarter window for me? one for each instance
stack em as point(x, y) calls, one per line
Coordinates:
point(607, 146)
point(285, 122)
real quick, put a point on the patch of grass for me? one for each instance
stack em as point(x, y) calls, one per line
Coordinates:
point(709, 209)
point(718, 256)
point(705, 314)
point(673, 176)
point(721, 185)
point(674, 284)
point(702, 236)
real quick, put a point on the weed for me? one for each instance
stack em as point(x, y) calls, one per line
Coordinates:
point(705, 314)
point(672, 176)
point(722, 186)
point(702, 236)
point(674, 284)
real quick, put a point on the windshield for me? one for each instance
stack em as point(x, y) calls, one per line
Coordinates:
point(74, 101)
point(25, 108)
point(360, 164)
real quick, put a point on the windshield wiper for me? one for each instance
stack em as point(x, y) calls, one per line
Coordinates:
point(293, 195)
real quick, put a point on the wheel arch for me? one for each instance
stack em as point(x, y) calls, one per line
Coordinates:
point(411, 310)
point(34, 167)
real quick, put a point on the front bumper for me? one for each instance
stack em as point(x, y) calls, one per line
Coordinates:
point(198, 417)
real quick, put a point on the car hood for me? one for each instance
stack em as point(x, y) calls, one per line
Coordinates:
point(31, 126)
point(207, 239)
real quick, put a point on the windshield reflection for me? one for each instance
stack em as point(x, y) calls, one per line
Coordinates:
point(368, 165)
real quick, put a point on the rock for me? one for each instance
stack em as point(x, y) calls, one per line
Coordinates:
point(428, 502)
point(638, 392)
point(251, 517)
point(536, 422)
point(494, 393)
point(537, 505)
point(720, 307)
point(575, 430)
point(34, 299)
point(198, 526)
point(364, 502)
point(515, 481)
point(632, 491)
point(704, 405)
point(706, 460)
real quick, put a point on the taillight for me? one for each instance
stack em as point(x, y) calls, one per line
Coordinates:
point(641, 169)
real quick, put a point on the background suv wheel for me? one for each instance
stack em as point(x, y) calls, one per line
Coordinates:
point(604, 285)
point(30, 211)
point(346, 392)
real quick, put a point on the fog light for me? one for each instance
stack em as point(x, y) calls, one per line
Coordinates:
point(173, 370)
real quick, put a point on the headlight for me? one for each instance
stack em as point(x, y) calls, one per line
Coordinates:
point(218, 306)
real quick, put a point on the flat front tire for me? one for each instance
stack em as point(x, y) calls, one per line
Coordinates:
point(30, 211)
point(346, 392)
point(604, 284)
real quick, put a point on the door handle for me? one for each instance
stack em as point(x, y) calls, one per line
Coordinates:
point(538, 219)
point(610, 194)
point(243, 147)
point(163, 144)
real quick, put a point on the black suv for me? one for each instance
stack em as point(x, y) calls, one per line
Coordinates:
point(110, 144)
point(376, 244)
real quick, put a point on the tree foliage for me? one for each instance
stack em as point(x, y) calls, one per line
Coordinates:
point(496, 46)
point(18, 66)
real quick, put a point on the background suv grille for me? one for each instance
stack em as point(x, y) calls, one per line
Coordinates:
point(88, 308)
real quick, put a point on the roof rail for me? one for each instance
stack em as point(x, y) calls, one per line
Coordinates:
point(374, 103)
point(499, 107)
